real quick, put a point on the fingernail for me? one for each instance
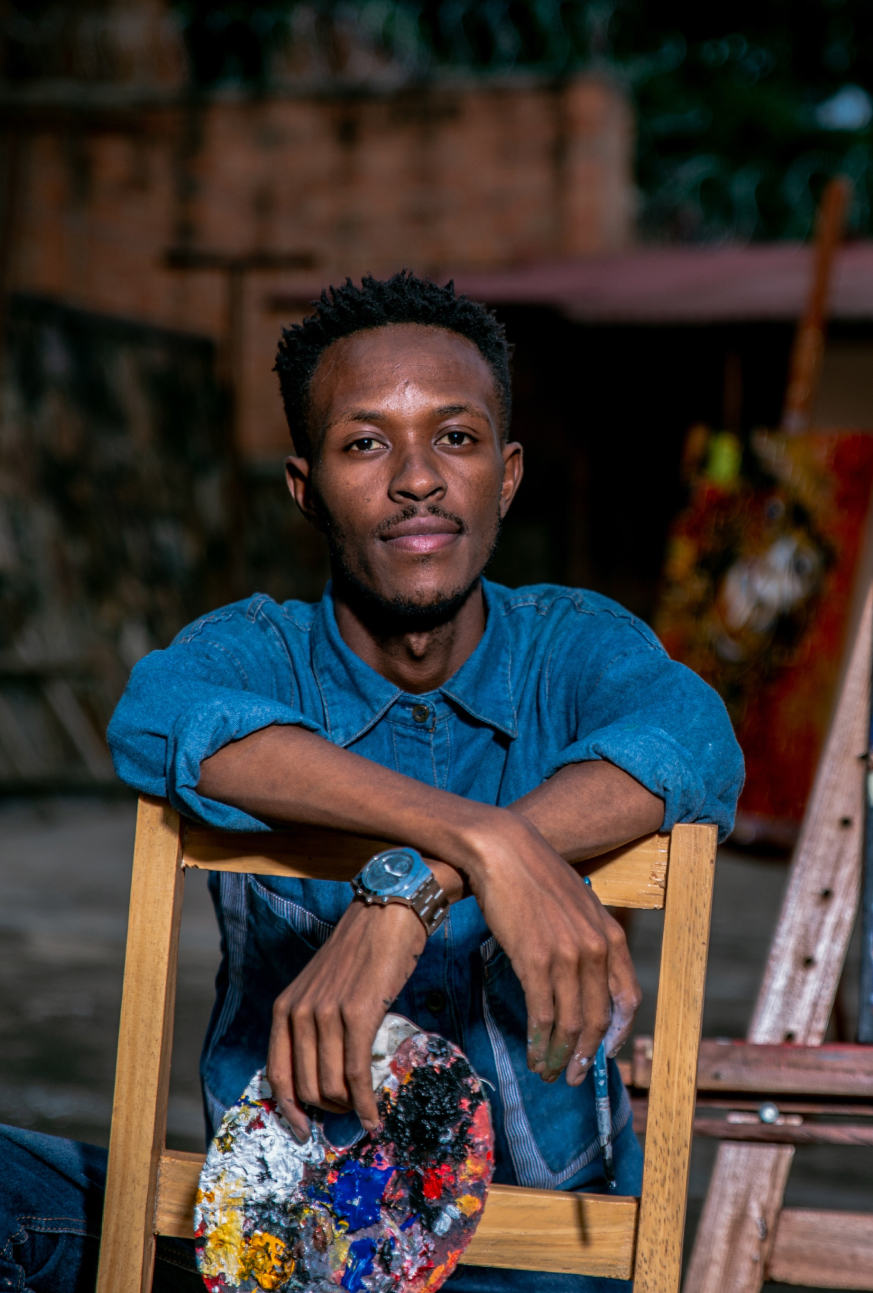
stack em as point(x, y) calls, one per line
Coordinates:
point(301, 1140)
point(373, 1128)
point(612, 1054)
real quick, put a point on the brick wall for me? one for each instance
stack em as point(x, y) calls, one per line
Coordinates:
point(442, 178)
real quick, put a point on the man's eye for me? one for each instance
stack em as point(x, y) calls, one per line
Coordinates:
point(455, 438)
point(366, 444)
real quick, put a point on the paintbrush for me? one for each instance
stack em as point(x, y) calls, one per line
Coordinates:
point(602, 1107)
point(604, 1113)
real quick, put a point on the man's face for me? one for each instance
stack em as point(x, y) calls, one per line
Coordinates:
point(410, 478)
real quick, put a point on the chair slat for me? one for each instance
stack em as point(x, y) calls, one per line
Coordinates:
point(631, 876)
point(534, 1230)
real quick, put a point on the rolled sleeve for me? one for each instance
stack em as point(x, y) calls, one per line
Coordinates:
point(663, 725)
point(199, 733)
point(184, 704)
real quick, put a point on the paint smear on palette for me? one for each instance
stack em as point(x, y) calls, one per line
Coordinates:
point(391, 1213)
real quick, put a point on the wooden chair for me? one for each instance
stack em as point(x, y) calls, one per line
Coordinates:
point(150, 1190)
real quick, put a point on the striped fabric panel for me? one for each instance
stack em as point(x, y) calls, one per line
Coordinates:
point(314, 930)
point(531, 1168)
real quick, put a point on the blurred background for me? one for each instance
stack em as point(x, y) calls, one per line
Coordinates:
point(632, 186)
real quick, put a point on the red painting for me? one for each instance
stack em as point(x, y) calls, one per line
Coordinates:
point(758, 583)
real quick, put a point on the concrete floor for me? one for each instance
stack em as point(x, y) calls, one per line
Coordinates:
point(64, 880)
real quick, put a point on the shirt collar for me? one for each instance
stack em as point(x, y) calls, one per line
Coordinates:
point(355, 696)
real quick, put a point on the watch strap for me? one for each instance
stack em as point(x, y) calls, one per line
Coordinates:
point(428, 902)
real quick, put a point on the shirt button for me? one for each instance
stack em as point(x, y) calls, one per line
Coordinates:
point(435, 1002)
point(420, 713)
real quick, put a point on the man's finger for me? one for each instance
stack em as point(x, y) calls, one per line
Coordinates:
point(280, 1075)
point(359, 1040)
point(569, 1020)
point(333, 1092)
point(540, 1018)
point(596, 1011)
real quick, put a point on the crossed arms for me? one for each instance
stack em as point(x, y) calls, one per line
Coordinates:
point(568, 953)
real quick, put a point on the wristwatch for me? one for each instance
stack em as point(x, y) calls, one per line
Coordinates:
point(401, 875)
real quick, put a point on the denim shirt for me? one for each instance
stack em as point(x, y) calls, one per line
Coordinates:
point(560, 676)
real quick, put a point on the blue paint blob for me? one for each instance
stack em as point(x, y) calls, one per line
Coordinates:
point(356, 1193)
point(360, 1264)
point(410, 1221)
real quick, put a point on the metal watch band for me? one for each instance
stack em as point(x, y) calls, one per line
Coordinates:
point(428, 902)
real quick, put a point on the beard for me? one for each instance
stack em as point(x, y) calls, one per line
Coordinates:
point(386, 616)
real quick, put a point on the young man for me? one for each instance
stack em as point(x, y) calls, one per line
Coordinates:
point(504, 734)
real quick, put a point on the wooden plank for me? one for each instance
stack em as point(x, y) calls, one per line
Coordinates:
point(802, 974)
point(775, 1070)
point(631, 876)
point(674, 1065)
point(821, 899)
point(139, 1111)
point(548, 1230)
point(823, 1250)
point(807, 1133)
point(746, 1189)
point(552, 1230)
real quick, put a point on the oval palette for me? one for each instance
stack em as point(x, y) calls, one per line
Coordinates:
point(391, 1213)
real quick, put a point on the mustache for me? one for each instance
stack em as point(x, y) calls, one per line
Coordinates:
point(411, 511)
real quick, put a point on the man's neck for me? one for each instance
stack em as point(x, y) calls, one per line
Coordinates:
point(417, 659)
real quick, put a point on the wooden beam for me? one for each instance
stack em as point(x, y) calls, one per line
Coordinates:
point(739, 1217)
point(838, 1070)
point(674, 1065)
point(142, 1075)
point(537, 1230)
point(801, 978)
point(631, 876)
point(823, 1250)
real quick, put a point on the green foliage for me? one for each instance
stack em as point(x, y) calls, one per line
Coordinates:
point(743, 110)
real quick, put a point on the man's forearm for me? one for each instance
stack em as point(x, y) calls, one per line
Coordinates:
point(588, 808)
point(291, 775)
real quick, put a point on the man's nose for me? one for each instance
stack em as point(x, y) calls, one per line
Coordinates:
point(418, 477)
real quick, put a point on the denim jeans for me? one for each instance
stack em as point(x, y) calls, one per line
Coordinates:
point(51, 1203)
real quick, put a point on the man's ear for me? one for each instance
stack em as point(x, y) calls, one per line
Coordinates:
point(513, 470)
point(298, 477)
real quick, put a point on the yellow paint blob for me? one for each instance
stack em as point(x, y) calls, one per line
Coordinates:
point(265, 1258)
point(468, 1204)
point(222, 1252)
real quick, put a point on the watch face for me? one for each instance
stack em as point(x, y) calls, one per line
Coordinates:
point(388, 872)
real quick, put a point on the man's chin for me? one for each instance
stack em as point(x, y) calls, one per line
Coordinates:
point(399, 609)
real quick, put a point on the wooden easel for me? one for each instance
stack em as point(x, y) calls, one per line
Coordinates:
point(741, 1240)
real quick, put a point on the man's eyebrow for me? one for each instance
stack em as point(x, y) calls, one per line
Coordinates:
point(356, 415)
point(450, 410)
point(373, 415)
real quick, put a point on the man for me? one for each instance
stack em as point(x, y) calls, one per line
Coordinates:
point(504, 734)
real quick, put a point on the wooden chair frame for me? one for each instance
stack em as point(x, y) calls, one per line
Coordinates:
point(151, 1190)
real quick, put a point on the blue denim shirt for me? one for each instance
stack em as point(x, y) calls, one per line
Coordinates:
point(560, 676)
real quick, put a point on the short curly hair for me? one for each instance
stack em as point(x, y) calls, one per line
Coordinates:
point(403, 298)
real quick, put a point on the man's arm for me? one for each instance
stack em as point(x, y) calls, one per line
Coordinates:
point(569, 955)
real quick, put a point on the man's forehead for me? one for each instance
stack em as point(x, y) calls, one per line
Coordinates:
point(393, 362)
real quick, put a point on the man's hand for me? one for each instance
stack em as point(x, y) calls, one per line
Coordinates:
point(570, 956)
point(325, 1022)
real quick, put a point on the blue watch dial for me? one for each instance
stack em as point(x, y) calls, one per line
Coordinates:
point(390, 872)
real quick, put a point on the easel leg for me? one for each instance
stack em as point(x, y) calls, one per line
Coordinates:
point(800, 981)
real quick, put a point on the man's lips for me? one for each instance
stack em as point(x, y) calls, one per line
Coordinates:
point(422, 534)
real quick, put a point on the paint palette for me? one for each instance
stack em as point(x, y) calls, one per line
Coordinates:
point(391, 1213)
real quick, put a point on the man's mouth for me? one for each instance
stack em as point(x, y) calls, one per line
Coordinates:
point(422, 534)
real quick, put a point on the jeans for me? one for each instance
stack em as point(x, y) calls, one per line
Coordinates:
point(51, 1204)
